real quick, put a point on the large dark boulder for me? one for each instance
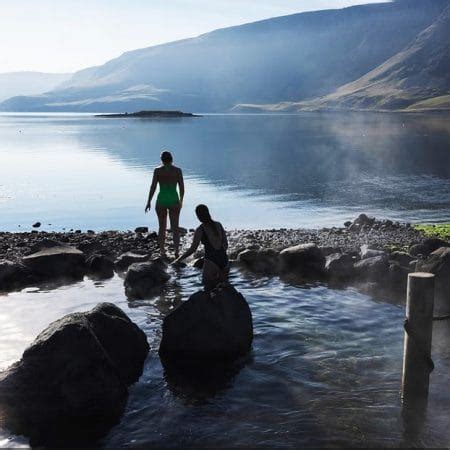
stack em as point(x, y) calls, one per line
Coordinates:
point(100, 266)
point(372, 269)
point(124, 342)
point(43, 244)
point(439, 264)
point(142, 279)
point(216, 326)
point(71, 384)
point(57, 262)
point(126, 259)
point(260, 261)
point(13, 275)
point(303, 259)
point(339, 266)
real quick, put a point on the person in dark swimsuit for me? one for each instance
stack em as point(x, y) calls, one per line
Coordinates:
point(214, 239)
point(168, 202)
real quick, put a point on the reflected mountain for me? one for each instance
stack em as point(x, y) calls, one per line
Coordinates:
point(382, 160)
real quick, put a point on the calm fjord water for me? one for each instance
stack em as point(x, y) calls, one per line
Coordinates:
point(308, 170)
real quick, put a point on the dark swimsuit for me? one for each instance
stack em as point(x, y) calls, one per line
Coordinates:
point(218, 256)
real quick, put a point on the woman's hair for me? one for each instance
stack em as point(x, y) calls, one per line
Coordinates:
point(166, 157)
point(203, 214)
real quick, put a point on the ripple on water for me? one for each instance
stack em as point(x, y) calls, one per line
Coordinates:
point(325, 368)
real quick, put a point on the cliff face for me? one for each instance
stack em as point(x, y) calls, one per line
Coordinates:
point(417, 77)
point(286, 59)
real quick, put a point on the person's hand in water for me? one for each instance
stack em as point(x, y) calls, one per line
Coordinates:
point(147, 207)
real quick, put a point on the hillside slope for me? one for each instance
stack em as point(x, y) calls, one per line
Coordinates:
point(29, 83)
point(295, 57)
point(416, 78)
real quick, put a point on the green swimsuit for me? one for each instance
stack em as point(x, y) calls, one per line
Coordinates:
point(167, 196)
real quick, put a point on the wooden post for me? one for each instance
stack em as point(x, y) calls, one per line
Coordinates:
point(417, 364)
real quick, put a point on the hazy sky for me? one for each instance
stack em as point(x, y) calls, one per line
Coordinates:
point(68, 35)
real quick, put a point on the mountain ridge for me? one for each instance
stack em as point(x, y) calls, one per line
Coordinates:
point(29, 82)
point(417, 78)
point(278, 61)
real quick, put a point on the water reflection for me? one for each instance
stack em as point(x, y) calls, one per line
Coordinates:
point(255, 171)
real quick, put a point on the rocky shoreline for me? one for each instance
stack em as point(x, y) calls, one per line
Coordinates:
point(99, 353)
point(385, 235)
point(364, 251)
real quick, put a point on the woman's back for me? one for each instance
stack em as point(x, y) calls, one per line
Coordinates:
point(168, 175)
point(215, 242)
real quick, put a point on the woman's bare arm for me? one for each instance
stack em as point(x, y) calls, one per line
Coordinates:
point(194, 246)
point(181, 186)
point(152, 190)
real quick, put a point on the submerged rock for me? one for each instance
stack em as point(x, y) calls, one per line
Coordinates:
point(142, 278)
point(303, 259)
point(72, 380)
point(57, 262)
point(216, 326)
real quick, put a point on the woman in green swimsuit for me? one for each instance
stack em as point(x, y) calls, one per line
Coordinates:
point(169, 177)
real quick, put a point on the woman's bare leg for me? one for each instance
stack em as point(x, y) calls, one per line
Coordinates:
point(174, 215)
point(162, 219)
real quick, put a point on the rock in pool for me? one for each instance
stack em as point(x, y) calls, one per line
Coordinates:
point(216, 326)
point(260, 261)
point(71, 383)
point(339, 266)
point(367, 252)
point(57, 262)
point(303, 259)
point(13, 275)
point(126, 259)
point(372, 269)
point(142, 278)
point(100, 266)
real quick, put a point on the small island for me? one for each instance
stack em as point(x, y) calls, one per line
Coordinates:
point(151, 114)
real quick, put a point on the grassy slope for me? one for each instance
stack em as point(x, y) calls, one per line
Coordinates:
point(441, 231)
